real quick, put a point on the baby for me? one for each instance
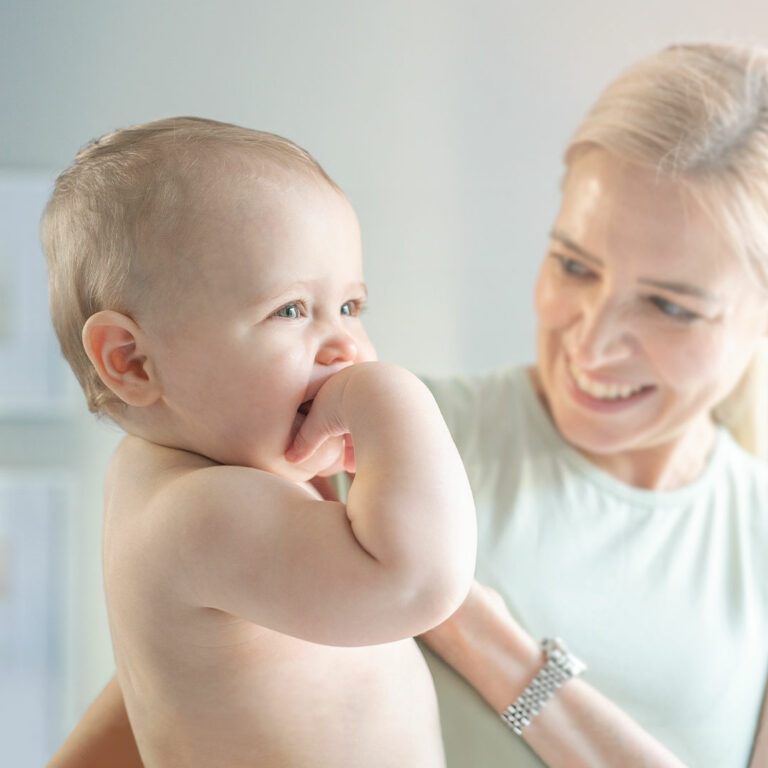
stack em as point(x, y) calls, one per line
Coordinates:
point(206, 286)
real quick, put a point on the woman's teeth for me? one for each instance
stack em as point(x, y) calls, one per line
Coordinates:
point(601, 391)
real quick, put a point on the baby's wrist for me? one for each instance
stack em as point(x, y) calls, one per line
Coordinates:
point(384, 384)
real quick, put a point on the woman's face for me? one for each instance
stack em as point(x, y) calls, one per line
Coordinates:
point(646, 319)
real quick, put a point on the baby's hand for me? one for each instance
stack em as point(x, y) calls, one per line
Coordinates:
point(324, 421)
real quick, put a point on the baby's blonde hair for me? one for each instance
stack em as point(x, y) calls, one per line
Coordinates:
point(698, 114)
point(105, 208)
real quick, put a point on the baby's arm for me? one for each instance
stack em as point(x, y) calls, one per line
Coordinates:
point(397, 559)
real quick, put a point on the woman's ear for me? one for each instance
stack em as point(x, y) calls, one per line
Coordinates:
point(117, 348)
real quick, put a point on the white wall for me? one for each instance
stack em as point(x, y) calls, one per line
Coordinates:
point(443, 120)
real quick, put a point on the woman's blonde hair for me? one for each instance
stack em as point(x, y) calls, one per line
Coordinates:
point(699, 114)
point(121, 190)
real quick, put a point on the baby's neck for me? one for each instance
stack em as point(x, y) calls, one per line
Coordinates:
point(156, 425)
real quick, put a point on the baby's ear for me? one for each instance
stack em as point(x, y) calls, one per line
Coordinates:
point(117, 348)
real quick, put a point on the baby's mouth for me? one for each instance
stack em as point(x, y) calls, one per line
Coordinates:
point(305, 406)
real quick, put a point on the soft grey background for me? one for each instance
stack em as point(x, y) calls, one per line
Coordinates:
point(444, 122)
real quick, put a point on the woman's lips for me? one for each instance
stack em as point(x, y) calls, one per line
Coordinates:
point(603, 404)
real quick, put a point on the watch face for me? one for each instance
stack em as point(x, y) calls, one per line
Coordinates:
point(555, 651)
point(551, 645)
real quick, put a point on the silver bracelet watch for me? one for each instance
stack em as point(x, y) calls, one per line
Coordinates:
point(559, 666)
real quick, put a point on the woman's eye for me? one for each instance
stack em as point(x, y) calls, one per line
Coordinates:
point(673, 310)
point(572, 266)
point(290, 311)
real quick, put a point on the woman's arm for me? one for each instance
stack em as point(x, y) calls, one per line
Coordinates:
point(578, 726)
point(103, 738)
point(760, 748)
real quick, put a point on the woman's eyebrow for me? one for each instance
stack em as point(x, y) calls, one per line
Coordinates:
point(666, 285)
point(561, 237)
point(685, 288)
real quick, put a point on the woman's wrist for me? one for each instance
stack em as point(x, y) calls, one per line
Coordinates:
point(484, 644)
point(560, 666)
point(578, 727)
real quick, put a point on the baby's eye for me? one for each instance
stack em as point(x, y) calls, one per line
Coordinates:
point(673, 310)
point(352, 308)
point(290, 311)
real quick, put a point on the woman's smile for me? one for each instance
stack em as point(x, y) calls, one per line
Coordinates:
point(601, 396)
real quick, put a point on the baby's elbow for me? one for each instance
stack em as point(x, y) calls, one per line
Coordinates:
point(453, 565)
point(434, 582)
point(448, 584)
point(440, 596)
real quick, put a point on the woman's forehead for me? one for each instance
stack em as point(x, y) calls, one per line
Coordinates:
point(614, 210)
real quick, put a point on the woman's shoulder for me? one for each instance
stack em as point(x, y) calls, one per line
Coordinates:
point(469, 402)
point(742, 476)
point(494, 417)
point(472, 390)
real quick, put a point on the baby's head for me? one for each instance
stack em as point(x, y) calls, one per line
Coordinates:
point(204, 280)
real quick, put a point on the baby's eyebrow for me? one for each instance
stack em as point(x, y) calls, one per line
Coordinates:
point(286, 292)
point(275, 291)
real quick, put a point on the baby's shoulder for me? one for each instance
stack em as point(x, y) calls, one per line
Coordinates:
point(170, 488)
point(161, 502)
point(156, 473)
point(140, 472)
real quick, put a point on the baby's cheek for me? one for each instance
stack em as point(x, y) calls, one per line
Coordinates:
point(366, 352)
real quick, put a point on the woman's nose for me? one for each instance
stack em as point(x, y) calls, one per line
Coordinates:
point(337, 347)
point(599, 336)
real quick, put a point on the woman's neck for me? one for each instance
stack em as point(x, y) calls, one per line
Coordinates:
point(666, 467)
point(663, 467)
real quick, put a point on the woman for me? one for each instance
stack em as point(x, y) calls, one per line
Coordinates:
point(613, 510)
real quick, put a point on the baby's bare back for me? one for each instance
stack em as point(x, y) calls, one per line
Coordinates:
point(206, 688)
point(210, 690)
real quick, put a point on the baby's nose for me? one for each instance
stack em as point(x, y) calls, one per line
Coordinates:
point(339, 348)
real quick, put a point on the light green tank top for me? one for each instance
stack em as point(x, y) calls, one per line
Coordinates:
point(662, 594)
